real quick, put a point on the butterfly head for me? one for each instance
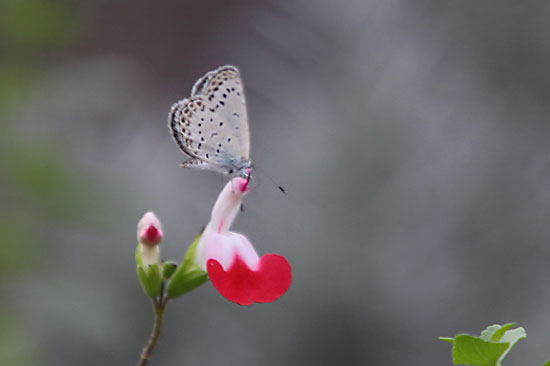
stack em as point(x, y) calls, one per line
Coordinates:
point(243, 170)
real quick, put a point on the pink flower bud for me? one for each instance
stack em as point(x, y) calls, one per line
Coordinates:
point(149, 230)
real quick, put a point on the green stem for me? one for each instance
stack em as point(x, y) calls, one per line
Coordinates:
point(158, 304)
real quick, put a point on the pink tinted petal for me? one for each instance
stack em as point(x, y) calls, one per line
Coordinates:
point(244, 286)
point(228, 204)
point(225, 247)
point(149, 230)
point(151, 236)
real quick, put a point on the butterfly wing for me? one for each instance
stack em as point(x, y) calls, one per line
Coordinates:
point(223, 89)
point(212, 126)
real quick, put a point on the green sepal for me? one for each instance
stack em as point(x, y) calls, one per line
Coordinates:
point(489, 349)
point(149, 276)
point(188, 276)
point(168, 269)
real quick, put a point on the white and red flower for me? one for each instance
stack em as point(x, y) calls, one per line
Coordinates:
point(230, 259)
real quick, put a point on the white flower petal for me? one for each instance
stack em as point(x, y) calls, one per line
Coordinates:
point(217, 242)
point(149, 254)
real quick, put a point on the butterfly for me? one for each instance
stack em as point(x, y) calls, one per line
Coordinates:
point(211, 126)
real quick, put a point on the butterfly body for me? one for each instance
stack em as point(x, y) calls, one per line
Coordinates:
point(211, 126)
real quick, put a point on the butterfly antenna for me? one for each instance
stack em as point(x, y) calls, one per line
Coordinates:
point(280, 187)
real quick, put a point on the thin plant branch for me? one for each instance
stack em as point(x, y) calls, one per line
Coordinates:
point(159, 304)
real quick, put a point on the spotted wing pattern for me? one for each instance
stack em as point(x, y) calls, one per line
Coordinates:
point(211, 126)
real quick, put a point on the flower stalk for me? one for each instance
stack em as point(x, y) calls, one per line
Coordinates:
point(159, 304)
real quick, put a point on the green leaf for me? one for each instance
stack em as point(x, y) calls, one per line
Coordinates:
point(36, 22)
point(512, 337)
point(188, 276)
point(489, 349)
point(547, 363)
point(469, 350)
point(149, 276)
point(494, 332)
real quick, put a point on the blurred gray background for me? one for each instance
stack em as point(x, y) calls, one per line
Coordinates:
point(411, 136)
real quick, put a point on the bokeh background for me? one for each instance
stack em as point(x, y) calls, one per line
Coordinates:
point(412, 138)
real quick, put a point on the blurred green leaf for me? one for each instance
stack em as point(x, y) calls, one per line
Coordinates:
point(36, 22)
point(14, 80)
point(42, 179)
point(489, 349)
point(188, 276)
point(15, 349)
point(16, 242)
